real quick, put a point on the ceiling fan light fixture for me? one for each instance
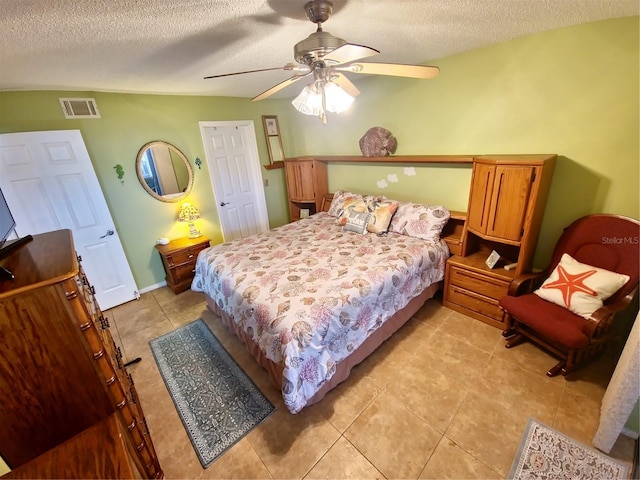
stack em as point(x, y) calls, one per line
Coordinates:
point(320, 97)
point(337, 100)
point(309, 101)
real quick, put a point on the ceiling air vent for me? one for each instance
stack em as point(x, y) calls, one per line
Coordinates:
point(79, 107)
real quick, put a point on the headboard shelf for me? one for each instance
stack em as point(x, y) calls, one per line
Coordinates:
point(389, 159)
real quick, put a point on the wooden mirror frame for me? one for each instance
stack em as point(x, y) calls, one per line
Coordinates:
point(176, 156)
point(274, 142)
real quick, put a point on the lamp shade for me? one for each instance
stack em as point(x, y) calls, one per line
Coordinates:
point(337, 99)
point(188, 213)
point(309, 101)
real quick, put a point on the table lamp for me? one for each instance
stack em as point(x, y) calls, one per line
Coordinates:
point(189, 213)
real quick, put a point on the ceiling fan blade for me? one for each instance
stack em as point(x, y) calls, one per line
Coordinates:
point(395, 69)
point(345, 83)
point(288, 66)
point(349, 52)
point(278, 87)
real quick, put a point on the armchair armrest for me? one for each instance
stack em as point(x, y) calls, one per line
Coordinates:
point(526, 283)
point(601, 319)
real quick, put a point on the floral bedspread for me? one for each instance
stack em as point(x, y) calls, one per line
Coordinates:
point(309, 293)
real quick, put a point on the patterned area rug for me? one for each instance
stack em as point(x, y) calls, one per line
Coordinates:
point(217, 402)
point(547, 454)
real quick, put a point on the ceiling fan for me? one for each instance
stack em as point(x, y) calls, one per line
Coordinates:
point(326, 58)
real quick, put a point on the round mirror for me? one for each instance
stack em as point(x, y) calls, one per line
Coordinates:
point(164, 172)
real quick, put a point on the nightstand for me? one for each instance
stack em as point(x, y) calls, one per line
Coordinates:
point(179, 261)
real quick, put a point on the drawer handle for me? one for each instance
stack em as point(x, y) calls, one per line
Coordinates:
point(191, 256)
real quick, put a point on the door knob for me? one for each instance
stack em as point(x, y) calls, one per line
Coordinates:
point(222, 204)
point(109, 232)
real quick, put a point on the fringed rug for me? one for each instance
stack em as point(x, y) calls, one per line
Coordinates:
point(217, 402)
point(547, 454)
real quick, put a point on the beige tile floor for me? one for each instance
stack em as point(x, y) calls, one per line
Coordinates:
point(441, 399)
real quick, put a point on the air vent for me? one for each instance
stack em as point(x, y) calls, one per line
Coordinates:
point(79, 107)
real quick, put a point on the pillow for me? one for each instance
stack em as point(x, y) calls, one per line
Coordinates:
point(580, 287)
point(420, 221)
point(381, 215)
point(341, 196)
point(337, 204)
point(351, 204)
point(357, 222)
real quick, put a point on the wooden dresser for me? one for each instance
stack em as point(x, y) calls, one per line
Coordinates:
point(179, 260)
point(60, 370)
point(102, 451)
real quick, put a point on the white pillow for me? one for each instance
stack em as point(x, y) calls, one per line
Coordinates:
point(580, 287)
point(419, 220)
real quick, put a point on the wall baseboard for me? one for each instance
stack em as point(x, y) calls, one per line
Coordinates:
point(627, 432)
point(152, 287)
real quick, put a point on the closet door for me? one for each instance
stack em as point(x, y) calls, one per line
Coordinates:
point(50, 184)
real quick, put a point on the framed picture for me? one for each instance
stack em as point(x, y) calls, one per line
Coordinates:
point(274, 142)
point(304, 212)
point(271, 125)
point(492, 259)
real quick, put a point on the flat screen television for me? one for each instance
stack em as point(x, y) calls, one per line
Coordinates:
point(7, 222)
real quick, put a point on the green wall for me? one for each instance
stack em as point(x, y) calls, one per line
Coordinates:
point(128, 122)
point(572, 91)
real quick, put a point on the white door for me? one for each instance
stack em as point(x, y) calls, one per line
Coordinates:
point(234, 166)
point(50, 184)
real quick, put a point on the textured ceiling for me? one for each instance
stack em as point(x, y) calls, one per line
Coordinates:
point(168, 46)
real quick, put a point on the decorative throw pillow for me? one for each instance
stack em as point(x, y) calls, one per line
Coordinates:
point(337, 204)
point(381, 215)
point(357, 222)
point(580, 287)
point(341, 196)
point(351, 204)
point(420, 221)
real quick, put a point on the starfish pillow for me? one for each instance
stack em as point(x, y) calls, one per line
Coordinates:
point(580, 287)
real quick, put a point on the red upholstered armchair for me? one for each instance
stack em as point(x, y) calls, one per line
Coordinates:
point(609, 242)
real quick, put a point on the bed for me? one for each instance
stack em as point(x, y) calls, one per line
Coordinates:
point(313, 298)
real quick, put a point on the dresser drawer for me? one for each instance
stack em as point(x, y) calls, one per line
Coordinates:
point(474, 303)
point(183, 256)
point(476, 282)
point(185, 271)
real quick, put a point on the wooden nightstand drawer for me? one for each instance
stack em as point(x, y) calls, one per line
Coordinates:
point(471, 288)
point(469, 280)
point(184, 256)
point(185, 271)
point(474, 303)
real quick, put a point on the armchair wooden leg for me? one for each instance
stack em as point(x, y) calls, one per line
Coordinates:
point(556, 369)
point(507, 334)
point(514, 340)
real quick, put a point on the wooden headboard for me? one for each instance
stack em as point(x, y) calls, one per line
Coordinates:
point(326, 202)
point(452, 232)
